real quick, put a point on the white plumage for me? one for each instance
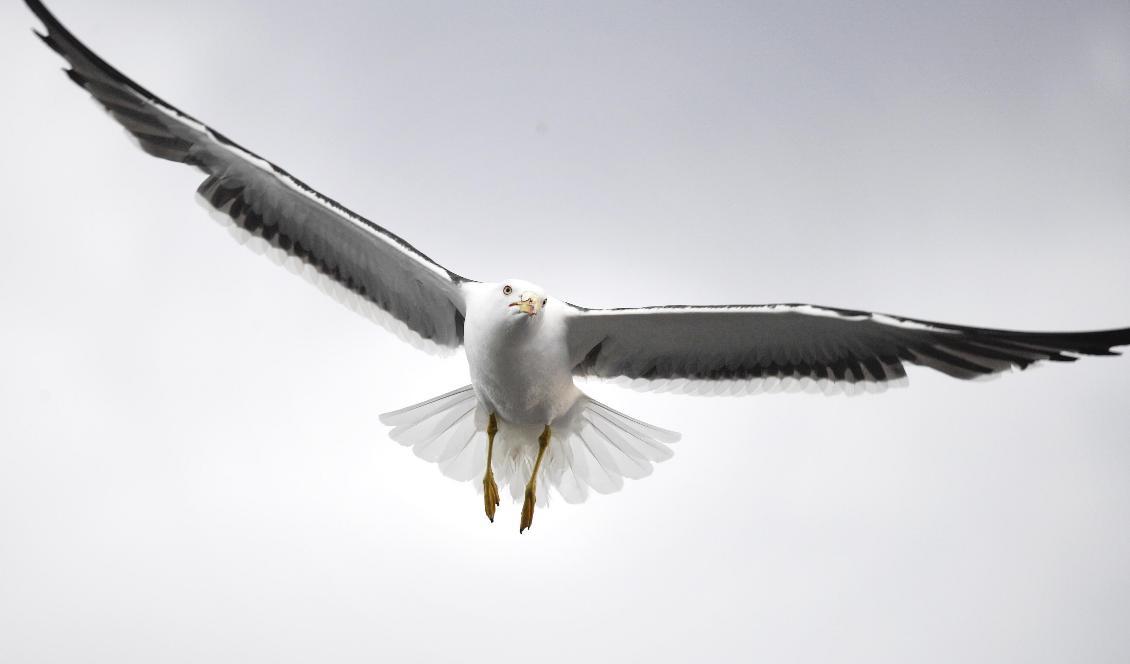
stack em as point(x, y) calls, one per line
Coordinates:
point(524, 348)
point(594, 446)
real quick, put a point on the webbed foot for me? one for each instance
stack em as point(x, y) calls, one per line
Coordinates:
point(490, 494)
point(528, 507)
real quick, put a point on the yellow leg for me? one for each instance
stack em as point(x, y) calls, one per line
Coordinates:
point(532, 486)
point(490, 489)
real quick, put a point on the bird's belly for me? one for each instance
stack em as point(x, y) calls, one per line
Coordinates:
point(523, 384)
point(524, 392)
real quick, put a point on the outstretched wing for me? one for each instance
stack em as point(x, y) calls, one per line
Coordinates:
point(405, 289)
point(735, 349)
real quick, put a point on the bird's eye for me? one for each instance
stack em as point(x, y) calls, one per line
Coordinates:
point(506, 290)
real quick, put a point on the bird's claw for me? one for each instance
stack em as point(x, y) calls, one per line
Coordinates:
point(490, 495)
point(528, 508)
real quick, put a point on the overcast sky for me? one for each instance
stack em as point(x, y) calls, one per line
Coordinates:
point(191, 465)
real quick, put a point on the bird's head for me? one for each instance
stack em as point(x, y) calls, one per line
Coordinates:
point(522, 298)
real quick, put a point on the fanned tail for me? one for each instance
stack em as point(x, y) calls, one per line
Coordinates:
point(594, 447)
point(449, 430)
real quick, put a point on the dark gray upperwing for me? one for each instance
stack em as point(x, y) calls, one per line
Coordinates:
point(374, 266)
point(737, 348)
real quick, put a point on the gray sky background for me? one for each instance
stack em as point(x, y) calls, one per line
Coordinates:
point(191, 466)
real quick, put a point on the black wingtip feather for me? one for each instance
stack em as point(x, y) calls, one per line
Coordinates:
point(46, 39)
point(236, 208)
point(252, 221)
point(78, 78)
point(39, 10)
point(76, 52)
point(165, 142)
point(222, 195)
point(950, 362)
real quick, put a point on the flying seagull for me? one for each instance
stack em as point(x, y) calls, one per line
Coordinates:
point(522, 419)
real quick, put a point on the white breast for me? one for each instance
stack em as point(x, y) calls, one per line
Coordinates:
point(519, 365)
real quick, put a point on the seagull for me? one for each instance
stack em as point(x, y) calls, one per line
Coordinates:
point(523, 420)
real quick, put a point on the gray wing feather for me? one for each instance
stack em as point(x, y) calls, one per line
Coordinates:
point(267, 202)
point(746, 344)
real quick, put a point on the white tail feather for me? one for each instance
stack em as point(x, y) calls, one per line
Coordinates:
point(592, 446)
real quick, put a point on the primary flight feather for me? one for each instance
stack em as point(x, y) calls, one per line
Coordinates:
point(523, 420)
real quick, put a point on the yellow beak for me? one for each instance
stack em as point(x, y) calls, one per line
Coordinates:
point(528, 303)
